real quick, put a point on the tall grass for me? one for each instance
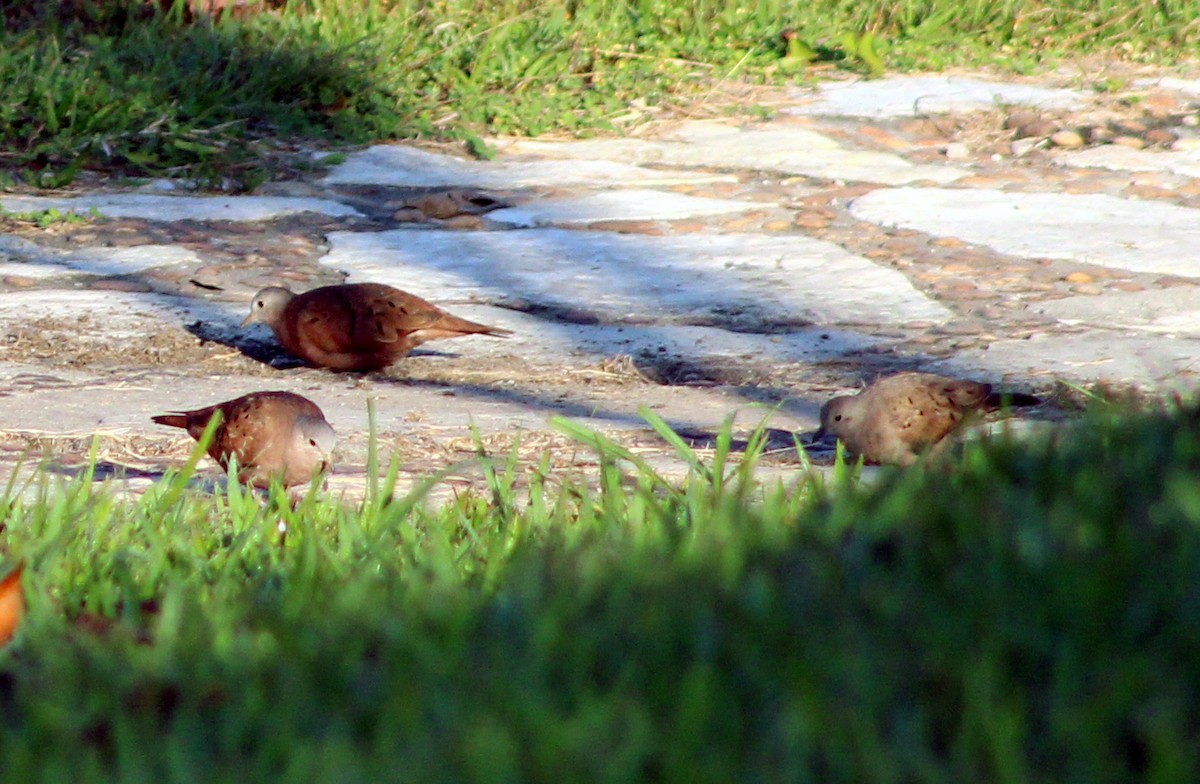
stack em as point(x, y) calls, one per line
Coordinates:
point(1028, 616)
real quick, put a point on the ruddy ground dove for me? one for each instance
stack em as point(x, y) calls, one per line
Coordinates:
point(897, 418)
point(272, 435)
point(356, 326)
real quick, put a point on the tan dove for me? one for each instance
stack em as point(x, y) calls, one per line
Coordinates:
point(897, 418)
point(356, 326)
point(272, 434)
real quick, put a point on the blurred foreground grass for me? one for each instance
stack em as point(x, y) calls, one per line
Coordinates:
point(1033, 615)
point(115, 86)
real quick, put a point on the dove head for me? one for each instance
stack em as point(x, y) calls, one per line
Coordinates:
point(313, 438)
point(268, 305)
point(838, 416)
point(316, 434)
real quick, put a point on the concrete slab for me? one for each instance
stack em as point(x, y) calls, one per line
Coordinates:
point(918, 95)
point(390, 164)
point(1174, 311)
point(602, 277)
point(1085, 358)
point(177, 208)
point(108, 315)
point(1142, 236)
point(1114, 157)
point(23, 257)
point(785, 148)
point(1189, 86)
point(130, 399)
point(634, 204)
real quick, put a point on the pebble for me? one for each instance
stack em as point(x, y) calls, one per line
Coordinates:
point(1160, 136)
point(983, 181)
point(1131, 127)
point(1132, 142)
point(1067, 139)
point(1128, 286)
point(778, 225)
point(742, 223)
point(1079, 277)
point(18, 281)
point(1169, 282)
point(811, 220)
point(1020, 118)
point(1038, 129)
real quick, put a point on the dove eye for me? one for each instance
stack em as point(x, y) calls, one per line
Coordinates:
point(837, 418)
point(312, 442)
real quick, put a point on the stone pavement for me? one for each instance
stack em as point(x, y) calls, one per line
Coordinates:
point(1028, 232)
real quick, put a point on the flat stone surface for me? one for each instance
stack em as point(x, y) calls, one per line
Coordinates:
point(105, 315)
point(128, 404)
point(1118, 158)
point(1111, 356)
point(919, 95)
point(24, 257)
point(389, 164)
point(1143, 236)
point(632, 204)
point(780, 147)
point(731, 277)
point(1173, 311)
point(177, 208)
point(1189, 86)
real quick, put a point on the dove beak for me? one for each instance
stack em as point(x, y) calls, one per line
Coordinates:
point(249, 318)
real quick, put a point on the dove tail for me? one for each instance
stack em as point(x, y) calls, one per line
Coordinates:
point(171, 420)
point(1011, 400)
point(454, 327)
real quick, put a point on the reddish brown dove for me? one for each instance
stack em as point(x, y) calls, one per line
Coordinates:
point(898, 418)
point(272, 435)
point(356, 326)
